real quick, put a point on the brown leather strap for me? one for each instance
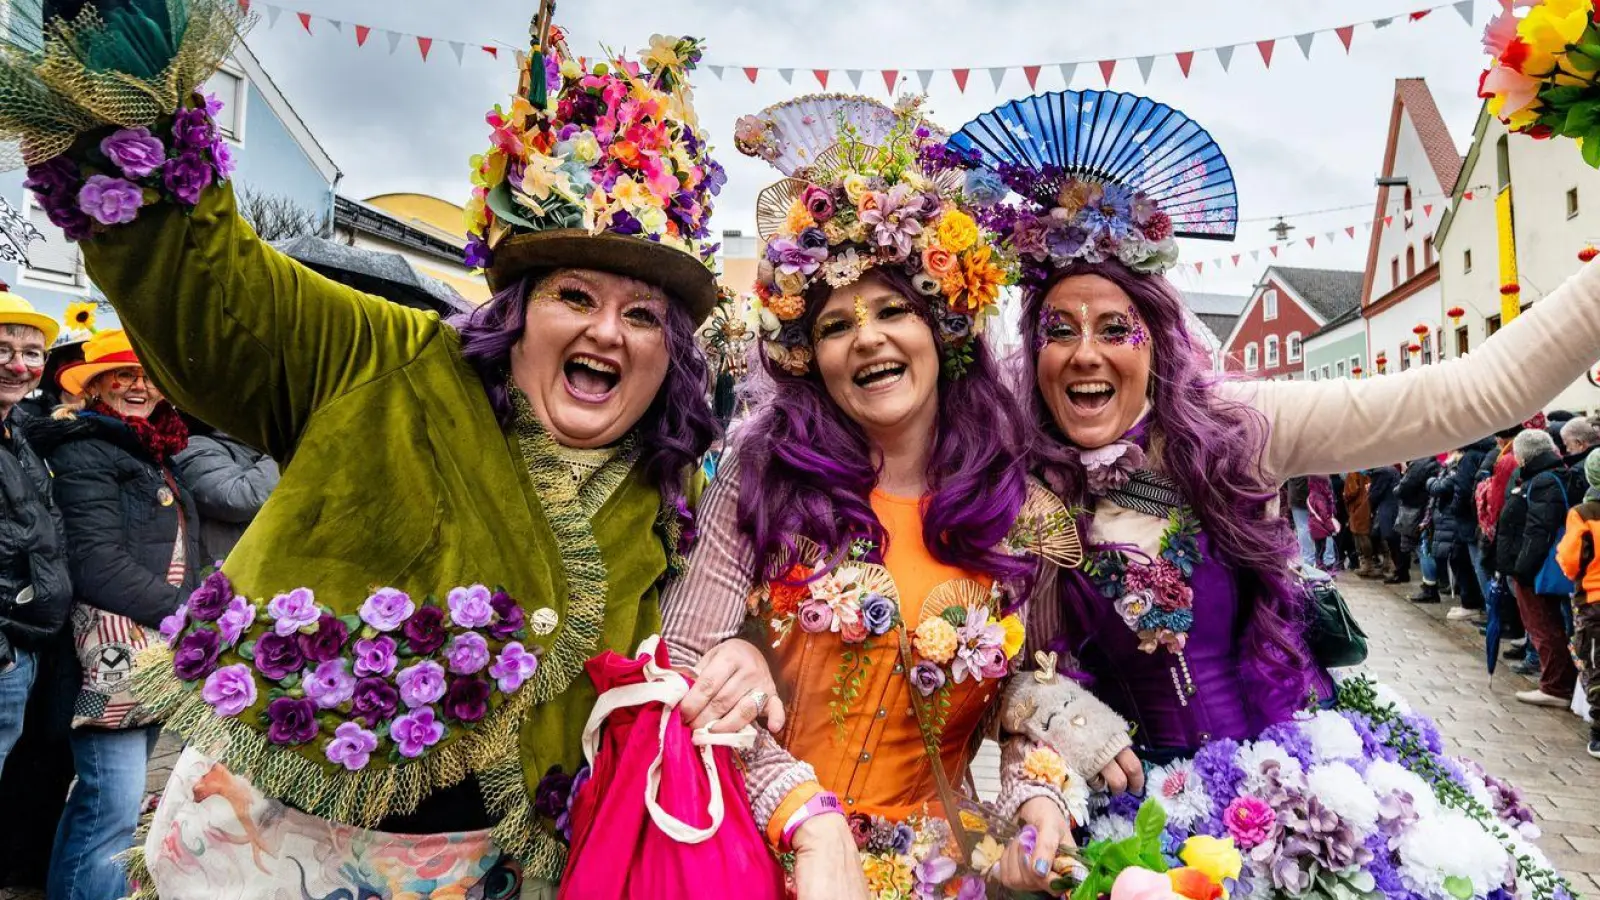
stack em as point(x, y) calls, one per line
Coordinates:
point(941, 781)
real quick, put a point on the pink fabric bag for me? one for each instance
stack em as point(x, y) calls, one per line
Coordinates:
point(664, 813)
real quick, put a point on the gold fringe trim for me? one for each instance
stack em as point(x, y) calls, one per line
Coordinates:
point(519, 831)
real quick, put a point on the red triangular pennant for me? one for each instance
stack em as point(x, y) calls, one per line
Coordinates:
point(961, 78)
point(890, 77)
point(1345, 34)
point(1274, 249)
point(1107, 66)
point(1311, 243)
point(362, 31)
point(424, 44)
point(1236, 259)
point(492, 51)
point(822, 77)
point(305, 21)
point(1197, 267)
point(1427, 209)
point(1418, 15)
point(1467, 196)
point(1387, 221)
point(1185, 60)
point(1266, 50)
point(1033, 75)
point(1350, 230)
point(750, 73)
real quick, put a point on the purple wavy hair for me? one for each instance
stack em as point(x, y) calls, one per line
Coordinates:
point(805, 469)
point(674, 432)
point(1213, 448)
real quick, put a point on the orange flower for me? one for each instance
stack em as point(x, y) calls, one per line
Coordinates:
point(1193, 884)
point(938, 261)
point(786, 598)
point(976, 284)
point(627, 153)
point(787, 307)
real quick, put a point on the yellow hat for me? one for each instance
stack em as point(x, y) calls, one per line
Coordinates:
point(16, 311)
point(104, 352)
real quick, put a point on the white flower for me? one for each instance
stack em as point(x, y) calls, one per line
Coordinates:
point(1180, 792)
point(1341, 790)
point(1332, 736)
point(1251, 757)
point(1109, 828)
point(1476, 786)
point(1385, 778)
point(1387, 695)
point(1451, 845)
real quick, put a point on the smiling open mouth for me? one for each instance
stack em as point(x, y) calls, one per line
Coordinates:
point(880, 375)
point(590, 377)
point(1090, 396)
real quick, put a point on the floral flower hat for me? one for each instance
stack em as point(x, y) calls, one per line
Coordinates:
point(861, 194)
point(599, 165)
point(1097, 175)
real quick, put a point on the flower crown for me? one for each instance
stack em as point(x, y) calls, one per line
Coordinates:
point(613, 147)
point(857, 207)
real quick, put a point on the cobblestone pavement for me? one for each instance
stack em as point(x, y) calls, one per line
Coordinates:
point(1438, 666)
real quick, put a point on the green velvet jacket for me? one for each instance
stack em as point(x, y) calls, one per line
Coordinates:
point(396, 475)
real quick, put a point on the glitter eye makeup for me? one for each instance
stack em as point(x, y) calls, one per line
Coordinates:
point(861, 312)
point(1054, 325)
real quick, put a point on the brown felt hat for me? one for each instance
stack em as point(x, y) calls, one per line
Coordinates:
point(684, 278)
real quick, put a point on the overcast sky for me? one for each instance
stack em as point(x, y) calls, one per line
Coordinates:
point(1304, 135)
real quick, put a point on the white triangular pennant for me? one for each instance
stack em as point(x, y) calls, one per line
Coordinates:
point(1328, 237)
point(1067, 71)
point(1382, 23)
point(855, 77)
point(394, 40)
point(997, 74)
point(716, 72)
point(337, 25)
point(1304, 40)
point(273, 12)
point(1255, 255)
point(1146, 63)
point(924, 76)
point(1465, 9)
point(1225, 56)
point(458, 48)
point(787, 75)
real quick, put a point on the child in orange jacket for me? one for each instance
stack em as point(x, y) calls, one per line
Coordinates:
point(1577, 556)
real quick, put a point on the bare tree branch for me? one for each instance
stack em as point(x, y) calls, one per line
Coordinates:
point(276, 217)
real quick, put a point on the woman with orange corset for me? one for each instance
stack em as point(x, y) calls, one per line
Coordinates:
point(875, 523)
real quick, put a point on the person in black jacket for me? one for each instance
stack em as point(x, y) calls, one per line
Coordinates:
point(1413, 526)
point(35, 589)
point(132, 543)
point(1456, 505)
point(1544, 499)
point(1385, 504)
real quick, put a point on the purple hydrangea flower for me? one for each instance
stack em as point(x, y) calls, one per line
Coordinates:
point(425, 630)
point(387, 609)
point(509, 618)
point(984, 188)
point(514, 666)
point(293, 611)
point(222, 159)
point(375, 656)
point(374, 700)
point(470, 606)
point(230, 690)
point(331, 684)
point(421, 683)
point(351, 746)
point(110, 201)
point(278, 656)
point(468, 653)
point(186, 176)
point(208, 601)
point(173, 625)
point(291, 721)
point(327, 642)
point(416, 731)
point(196, 656)
point(467, 700)
point(135, 151)
point(239, 615)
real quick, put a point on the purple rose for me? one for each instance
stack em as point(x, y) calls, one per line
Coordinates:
point(173, 625)
point(816, 616)
point(110, 201)
point(416, 731)
point(57, 178)
point(351, 746)
point(476, 254)
point(813, 239)
point(514, 666)
point(387, 609)
point(469, 606)
point(222, 158)
point(212, 105)
point(468, 653)
point(239, 615)
point(375, 656)
point(186, 176)
point(927, 677)
point(293, 611)
point(467, 700)
point(136, 151)
point(327, 642)
point(508, 617)
point(818, 201)
point(550, 796)
point(331, 684)
point(990, 662)
point(230, 690)
point(192, 129)
point(877, 612)
point(208, 601)
point(291, 721)
point(196, 655)
point(425, 630)
point(374, 700)
point(278, 656)
point(421, 683)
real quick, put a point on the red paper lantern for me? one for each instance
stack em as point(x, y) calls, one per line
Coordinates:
point(1381, 358)
point(1455, 313)
point(1355, 370)
point(1509, 289)
point(1420, 330)
point(1587, 254)
point(1414, 348)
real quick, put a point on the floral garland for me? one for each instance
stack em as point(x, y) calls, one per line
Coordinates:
point(1154, 599)
point(390, 680)
point(132, 168)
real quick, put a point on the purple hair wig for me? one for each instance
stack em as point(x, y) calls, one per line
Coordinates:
point(806, 469)
point(675, 431)
point(1212, 447)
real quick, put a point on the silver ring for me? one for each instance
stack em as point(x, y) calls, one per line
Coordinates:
point(759, 698)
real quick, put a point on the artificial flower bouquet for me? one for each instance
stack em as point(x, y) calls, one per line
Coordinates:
point(1139, 866)
point(1545, 78)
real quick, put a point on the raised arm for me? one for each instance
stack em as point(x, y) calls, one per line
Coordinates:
point(1315, 428)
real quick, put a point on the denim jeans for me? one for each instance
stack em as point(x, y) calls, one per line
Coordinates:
point(15, 685)
point(1302, 533)
point(1430, 566)
point(1475, 551)
point(102, 813)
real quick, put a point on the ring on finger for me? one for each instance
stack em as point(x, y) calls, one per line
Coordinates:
point(759, 698)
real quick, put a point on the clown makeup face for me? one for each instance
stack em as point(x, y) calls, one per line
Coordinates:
point(878, 359)
point(1094, 357)
point(23, 347)
point(127, 390)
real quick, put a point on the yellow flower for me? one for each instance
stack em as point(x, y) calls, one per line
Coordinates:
point(799, 218)
point(541, 176)
point(855, 187)
point(1526, 117)
point(570, 68)
point(1548, 29)
point(957, 231)
point(887, 875)
point(1074, 197)
point(663, 53)
point(835, 232)
point(1215, 857)
point(1015, 633)
point(488, 169)
point(987, 854)
point(1044, 765)
point(973, 822)
point(935, 639)
point(791, 284)
point(476, 216)
point(80, 316)
point(633, 195)
point(652, 219)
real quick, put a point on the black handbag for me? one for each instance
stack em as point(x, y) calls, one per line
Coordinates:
point(1336, 638)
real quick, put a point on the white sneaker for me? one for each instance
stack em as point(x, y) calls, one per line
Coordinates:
point(1540, 698)
point(1459, 613)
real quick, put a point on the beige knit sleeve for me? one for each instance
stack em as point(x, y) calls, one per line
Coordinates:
point(706, 605)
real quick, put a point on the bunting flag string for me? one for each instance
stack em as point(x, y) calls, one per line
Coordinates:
point(1145, 63)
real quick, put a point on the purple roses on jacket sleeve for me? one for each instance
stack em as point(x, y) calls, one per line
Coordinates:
point(351, 746)
point(416, 731)
point(467, 700)
point(278, 656)
point(211, 598)
point(110, 201)
point(291, 721)
point(424, 631)
point(230, 690)
point(387, 609)
point(327, 642)
point(196, 655)
point(135, 151)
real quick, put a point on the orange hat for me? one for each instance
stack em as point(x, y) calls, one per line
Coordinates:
point(102, 353)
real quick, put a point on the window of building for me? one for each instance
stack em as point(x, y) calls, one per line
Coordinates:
point(1272, 351)
point(231, 88)
point(1427, 251)
point(1462, 341)
point(54, 260)
point(1327, 372)
point(1269, 304)
point(1294, 346)
point(1491, 325)
point(1252, 359)
point(1411, 262)
point(1427, 348)
point(1394, 271)
point(1502, 162)
point(1338, 368)
point(1405, 355)
point(1572, 203)
point(1355, 363)
point(1407, 216)
point(1313, 375)
point(1466, 261)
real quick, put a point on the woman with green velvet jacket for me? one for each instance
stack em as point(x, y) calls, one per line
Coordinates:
point(388, 663)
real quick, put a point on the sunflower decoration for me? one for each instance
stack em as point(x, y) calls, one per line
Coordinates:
point(81, 317)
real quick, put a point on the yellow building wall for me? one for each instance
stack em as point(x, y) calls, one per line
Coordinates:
point(444, 220)
point(1510, 304)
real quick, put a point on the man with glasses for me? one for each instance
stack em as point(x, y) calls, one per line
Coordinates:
point(35, 589)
